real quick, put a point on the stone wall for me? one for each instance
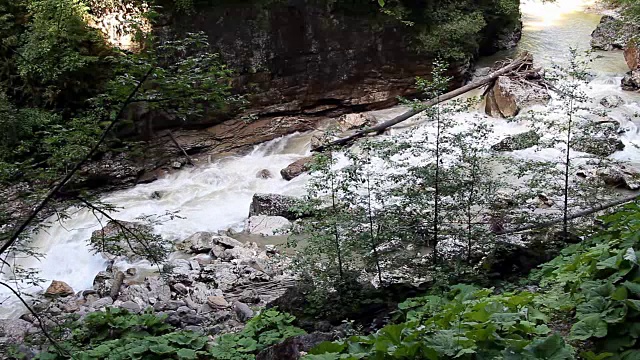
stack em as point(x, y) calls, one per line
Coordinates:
point(306, 57)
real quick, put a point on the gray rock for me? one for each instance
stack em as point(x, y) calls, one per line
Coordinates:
point(181, 288)
point(601, 145)
point(264, 174)
point(274, 205)
point(204, 242)
point(267, 225)
point(242, 310)
point(156, 195)
point(296, 168)
point(102, 302)
point(612, 33)
point(631, 81)
point(217, 302)
point(518, 141)
point(194, 328)
point(611, 101)
point(249, 296)
point(15, 330)
point(130, 306)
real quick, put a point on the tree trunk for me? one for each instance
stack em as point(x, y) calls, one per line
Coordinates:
point(444, 97)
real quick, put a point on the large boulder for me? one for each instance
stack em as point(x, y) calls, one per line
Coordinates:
point(296, 168)
point(274, 205)
point(132, 240)
point(631, 81)
point(602, 146)
point(204, 242)
point(518, 141)
point(355, 121)
point(507, 97)
point(611, 101)
point(266, 225)
point(621, 176)
point(611, 33)
point(58, 288)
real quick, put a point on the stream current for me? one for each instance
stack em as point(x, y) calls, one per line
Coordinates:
point(216, 196)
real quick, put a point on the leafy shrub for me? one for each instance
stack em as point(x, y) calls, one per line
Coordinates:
point(466, 323)
point(119, 334)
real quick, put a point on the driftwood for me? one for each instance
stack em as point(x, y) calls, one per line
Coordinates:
point(173, 139)
point(514, 65)
point(579, 214)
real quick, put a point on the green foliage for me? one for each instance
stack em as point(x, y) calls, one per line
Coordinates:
point(602, 278)
point(268, 328)
point(117, 334)
point(465, 323)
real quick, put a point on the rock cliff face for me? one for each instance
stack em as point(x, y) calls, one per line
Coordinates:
point(306, 57)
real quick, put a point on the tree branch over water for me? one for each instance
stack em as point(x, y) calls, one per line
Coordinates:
point(75, 169)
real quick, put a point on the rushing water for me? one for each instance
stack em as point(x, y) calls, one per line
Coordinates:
point(216, 196)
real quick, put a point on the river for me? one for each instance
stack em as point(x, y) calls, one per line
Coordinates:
point(216, 196)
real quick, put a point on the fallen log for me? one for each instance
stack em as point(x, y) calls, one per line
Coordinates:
point(579, 214)
point(175, 142)
point(513, 65)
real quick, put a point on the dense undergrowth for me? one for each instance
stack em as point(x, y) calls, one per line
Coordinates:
point(585, 304)
point(118, 334)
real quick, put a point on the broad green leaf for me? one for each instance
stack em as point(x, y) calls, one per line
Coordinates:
point(328, 347)
point(588, 327)
point(186, 354)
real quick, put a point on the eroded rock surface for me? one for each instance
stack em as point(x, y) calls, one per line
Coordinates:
point(507, 97)
point(296, 168)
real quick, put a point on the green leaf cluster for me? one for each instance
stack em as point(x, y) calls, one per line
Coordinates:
point(118, 334)
point(465, 323)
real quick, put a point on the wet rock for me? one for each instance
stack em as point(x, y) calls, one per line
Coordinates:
point(518, 141)
point(203, 242)
point(243, 311)
point(631, 81)
point(600, 146)
point(112, 171)
point(227, 242)
point(130, 306)
point(181, 288)
point(249, 296)
point(123, 238)
point(507, 97)
point(13, 331)
point(176, 164)
point(611, 33)
point(267, 225)
point(274, 205)
point(222, 274)
point(294, 347)
point(203, 259)
point(217, 302)
point(102, 302)
point(355, 121)
point(59, 289)
point(625, 177)
point(296, 168)
point(264, 174)
point(611, 101)
point(156, 195)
